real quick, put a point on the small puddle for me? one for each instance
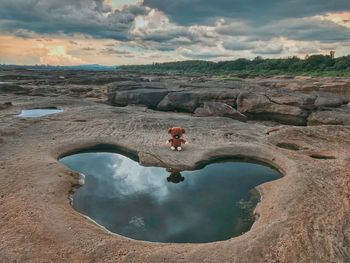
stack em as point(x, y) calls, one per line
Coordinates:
point(166, 205)
point(35, 113)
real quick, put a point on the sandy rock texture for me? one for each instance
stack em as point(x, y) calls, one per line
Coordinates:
point(302, 217)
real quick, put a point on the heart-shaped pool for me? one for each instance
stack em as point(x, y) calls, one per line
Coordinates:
point(156, 204)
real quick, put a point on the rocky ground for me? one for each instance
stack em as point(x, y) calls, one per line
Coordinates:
point(299, 125)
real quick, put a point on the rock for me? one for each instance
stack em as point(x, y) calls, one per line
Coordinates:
point(274, 129)
point(219, 109)
point(303, 77)
point(301, 100)
point(293, 86)
point(134, 84)
point(258, 106)
point(5, 105)
point(295, 221)
point(188, 101)
point(330, 117)
point(308, 87)
point(335, 85)
point(95, 94)
point(329, 101)
point(12, 88)
point(183, 101)
point(80, 89)
point(284, 77)
point(147, 97)
point(341, 88)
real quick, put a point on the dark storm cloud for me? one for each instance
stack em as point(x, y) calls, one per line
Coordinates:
point(197, 29)
point(304, 29)
point(92, 17)
point(254, 11)
point(310, 29)
point(96, 18)
point(237, 45)
point(112, 51)
point(268, 50)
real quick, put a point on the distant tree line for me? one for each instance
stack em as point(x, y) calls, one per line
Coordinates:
point(311, 65)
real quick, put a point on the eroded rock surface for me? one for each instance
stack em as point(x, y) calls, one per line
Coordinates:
point(261, 107)
point(219, 109)
point(286, 100)
point(339, 116)
point(303, 217)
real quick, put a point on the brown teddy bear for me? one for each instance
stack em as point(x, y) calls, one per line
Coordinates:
point(175, 176)
point(176, 140)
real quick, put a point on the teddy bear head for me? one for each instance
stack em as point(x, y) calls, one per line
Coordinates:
point(176, 132)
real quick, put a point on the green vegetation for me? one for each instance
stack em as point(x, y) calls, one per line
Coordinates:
point(315, 65)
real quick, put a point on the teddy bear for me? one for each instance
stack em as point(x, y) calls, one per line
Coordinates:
point(175, 176)
point(176, 140)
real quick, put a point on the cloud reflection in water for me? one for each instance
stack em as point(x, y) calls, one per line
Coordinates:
point(142, 203)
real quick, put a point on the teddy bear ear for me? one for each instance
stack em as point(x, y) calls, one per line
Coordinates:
point(183, 130)
point(169, 130)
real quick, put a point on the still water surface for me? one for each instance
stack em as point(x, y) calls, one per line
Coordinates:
point(35, 113)
point(166, 205)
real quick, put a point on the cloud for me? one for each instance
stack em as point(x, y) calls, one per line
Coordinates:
point(268, 49)
point(156, 27)
point(92, 17)
point(163, 30)
point(237, 45)
point(57, 55)
point(37, 51)
point(308, 28)
point(253, 11)
point(59, 50)
point(342, 18)
point(110, 51)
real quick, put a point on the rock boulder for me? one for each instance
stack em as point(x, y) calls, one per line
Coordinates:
point(188, 101)
point(147, 97)
point(339, 116)
point(219, 109)
point(259, 106)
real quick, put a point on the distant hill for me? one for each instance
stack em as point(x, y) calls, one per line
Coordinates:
point(317, 65)
point(91, 67)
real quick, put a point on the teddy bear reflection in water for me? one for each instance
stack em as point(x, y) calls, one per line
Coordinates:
point(176, 138)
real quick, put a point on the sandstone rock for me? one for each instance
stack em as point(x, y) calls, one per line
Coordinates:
point(219, 109)
point(95, 94)
point(329, 101)
point(13, 88)
point(258, 106)
point(303, 77)
point(301, 100)
point(293, 86)
point(5, 105)
point(188, 101)
point(80, 89)
point(330, 117)
point(341, 88)
point(132, 85)
point(147, 97)
point(337, 85)
point(295, 221)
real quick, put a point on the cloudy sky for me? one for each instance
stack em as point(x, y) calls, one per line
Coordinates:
point(115, 32)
